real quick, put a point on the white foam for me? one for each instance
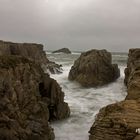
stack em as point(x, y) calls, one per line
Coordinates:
point(84, 104)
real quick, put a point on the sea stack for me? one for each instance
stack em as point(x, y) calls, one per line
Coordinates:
point(94, 68)
point(121, 121)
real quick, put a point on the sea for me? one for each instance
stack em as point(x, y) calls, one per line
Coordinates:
point(84, 103)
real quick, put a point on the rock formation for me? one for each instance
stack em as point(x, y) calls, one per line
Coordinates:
point(132, 74)
point(63, 50)
point(94, 68)
point(31, 51)
point(121, 121)
point(28, 99)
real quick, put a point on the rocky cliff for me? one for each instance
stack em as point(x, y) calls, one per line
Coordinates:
point(132, 74)
point(94, 68)
point(28, 99)
point(121, 121)
point(31, 51)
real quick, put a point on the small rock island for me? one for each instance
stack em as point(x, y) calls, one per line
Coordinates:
point(63, 50)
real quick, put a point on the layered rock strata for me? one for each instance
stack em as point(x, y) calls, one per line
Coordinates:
point(94, 68)
point(31, 51)
point(121, 121)
point(28, 99)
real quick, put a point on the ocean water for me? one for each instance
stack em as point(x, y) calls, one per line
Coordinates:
point(84, 103)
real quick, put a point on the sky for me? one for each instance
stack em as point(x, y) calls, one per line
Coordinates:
point(76, 24)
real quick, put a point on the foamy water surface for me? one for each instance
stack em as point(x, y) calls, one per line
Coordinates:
point(84, 102)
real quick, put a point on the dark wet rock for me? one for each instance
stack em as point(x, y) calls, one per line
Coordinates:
point(53, 68)
point(28, 99)
point(63, 50)
point(94, 68)
point(32, 51)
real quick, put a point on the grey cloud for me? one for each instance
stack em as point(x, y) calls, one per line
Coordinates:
point(79, 24)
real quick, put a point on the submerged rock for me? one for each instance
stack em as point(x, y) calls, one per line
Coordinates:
point(121, 121)
point(63, 50)
point(32, 51)
point(94, 68)
point(28, 99)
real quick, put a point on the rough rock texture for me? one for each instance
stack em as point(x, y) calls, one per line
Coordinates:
point(94, 68)
point(63, 50)
point(132, 74)
point(117, 122)
point(121, 121)
point(31, 51)
point(28, 99)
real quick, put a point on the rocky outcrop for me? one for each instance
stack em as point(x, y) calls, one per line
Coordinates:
point(118, 121)
point(63, 50)
point(94, 68)
point(132, 74)
point(121, 121)
point(31, 51)
point(28, 99)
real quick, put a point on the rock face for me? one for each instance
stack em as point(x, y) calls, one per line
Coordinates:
point(28, 99)
point(63, 50)
point(132, 74)
point(94, 68)
point(121, 121)
point(31, 51)
point(117, 122)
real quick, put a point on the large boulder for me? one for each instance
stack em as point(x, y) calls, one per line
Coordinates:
point(28, 99)
point(94, 68)
point(121, 121)
point(32, 51)
point(63, 50)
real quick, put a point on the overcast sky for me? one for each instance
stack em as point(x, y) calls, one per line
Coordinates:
point(76, 24)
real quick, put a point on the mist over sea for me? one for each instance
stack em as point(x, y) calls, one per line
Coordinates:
point(84, 102)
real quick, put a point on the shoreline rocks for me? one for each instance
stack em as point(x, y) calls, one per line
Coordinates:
point(29, 98)
point(63, 50)
point(94, 68)
point(132, 72)
point(32, 51)
point(121, 121)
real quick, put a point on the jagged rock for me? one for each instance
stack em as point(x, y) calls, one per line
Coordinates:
point(31, 51)
point(28, 99)
point(121, 121)
point(132, 74)
point(117, 122)
point(94, 68)
point(53, 68)
point(63, 50)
